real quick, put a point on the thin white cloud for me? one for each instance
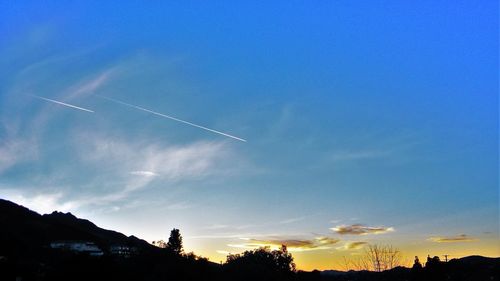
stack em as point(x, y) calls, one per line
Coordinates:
point(172, 162)
point(107, 170)
point(54, 61)
point(144, 173)
point(90, 86)
point(374, 146)
point(12, 152)
point(216, 226)
point(150, 162)
point(15, 149)
point(34, 80)
point(125, 166)
point(292, 220)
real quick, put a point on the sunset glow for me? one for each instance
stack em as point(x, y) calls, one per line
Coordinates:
point(325, 126)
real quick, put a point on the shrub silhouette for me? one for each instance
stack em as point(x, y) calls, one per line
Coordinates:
point(417, 265)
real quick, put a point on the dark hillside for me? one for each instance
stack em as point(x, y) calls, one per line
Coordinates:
point(25, 231)
point(26, 252)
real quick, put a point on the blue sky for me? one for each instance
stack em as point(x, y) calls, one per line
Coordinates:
point(381, 114)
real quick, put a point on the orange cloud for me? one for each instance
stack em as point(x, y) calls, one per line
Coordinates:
point(297, 245)
point(352, 246)
point(359, 229)
point(452, 239)
point(355, 245)
point(326, 240)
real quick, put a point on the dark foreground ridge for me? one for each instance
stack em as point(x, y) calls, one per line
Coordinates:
point(59, 246)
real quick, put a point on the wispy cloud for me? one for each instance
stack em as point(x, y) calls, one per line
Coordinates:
point(352, 245)
point(293, 245)
point(134, 165)
point(292, 220)
point(90, 86)
point(216, 226)
point(15, 149)
point(125, 166)
point(323, 240)
point(144, 173)
point(34, 79)
point(375, 146)
point(180, 206)
point(171, 162)
point(453, 239)
point(359, 229)
point(105, 170)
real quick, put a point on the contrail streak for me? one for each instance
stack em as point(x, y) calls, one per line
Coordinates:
point(171, 117)
point(65, 104)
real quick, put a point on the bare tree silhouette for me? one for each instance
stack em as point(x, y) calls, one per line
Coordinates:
point(375, 258)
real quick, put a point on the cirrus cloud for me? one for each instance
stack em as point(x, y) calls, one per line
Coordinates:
point(169, 162)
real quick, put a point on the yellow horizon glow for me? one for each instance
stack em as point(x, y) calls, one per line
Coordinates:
point(325, 259)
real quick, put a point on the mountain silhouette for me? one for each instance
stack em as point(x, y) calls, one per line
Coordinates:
point(25, 231)
point(60, 246)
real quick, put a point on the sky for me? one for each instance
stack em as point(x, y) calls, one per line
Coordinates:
point(345, 123)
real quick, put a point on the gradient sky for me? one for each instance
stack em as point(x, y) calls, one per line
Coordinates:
point(365, 121)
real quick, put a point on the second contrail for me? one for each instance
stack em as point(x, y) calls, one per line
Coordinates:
point(171, 117)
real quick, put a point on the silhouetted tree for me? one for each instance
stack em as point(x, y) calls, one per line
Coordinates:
point(376, 258)
point(284, 259)
point(261, 264)
point(175, 242)
point(435, 269)
point(193, 257)
point(432, 262)
point(417, 265)
point(416, 270)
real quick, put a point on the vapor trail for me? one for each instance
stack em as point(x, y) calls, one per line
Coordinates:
point(171, 117)
point(62, 103)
